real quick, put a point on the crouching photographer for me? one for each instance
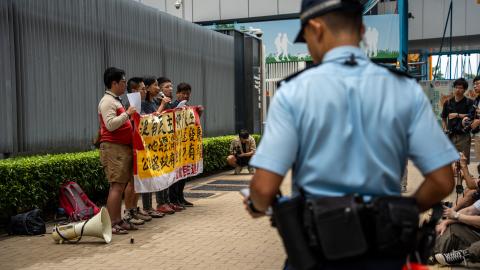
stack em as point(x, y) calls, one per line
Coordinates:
point(458, 117)
point(472, 193)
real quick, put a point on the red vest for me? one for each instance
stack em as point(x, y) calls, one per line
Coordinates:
point(122, 135)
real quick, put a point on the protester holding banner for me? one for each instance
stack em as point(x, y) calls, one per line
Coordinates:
point(134, 85)
point(177, 196)
point(164, 204)
point(166, 89)
point(116, 145)
point(132, 212)
point(168, 149)
point(150, 106)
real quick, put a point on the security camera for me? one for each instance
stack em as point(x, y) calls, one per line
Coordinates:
point(178, 4)
point(256, 31)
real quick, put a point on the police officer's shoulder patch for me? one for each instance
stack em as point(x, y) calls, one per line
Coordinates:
point(294, 75)
point(396, 71)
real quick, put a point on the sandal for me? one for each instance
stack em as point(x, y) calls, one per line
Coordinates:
point(117, 229)
point(154, 213)
point(127, 225)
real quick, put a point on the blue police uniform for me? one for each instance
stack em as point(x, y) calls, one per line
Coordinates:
point(350, 129)
point(346, 126)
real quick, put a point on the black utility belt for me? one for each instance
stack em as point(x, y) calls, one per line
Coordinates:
point(345, 227)
point(337, 228)
point(458, 133)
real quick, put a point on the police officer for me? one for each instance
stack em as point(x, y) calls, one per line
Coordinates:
point(348, 126)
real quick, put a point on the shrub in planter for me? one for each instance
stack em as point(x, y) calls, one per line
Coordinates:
point(29, 182)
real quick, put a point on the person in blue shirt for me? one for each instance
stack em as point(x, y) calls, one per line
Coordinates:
point(348, 126)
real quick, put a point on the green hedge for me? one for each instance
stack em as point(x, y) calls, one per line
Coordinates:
point(28, 182)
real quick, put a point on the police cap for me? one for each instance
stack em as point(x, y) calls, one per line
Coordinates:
point(314, 8)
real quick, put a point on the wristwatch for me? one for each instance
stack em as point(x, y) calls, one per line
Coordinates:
point(456, 216)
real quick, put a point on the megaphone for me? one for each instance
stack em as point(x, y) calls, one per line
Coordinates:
point(98, 226)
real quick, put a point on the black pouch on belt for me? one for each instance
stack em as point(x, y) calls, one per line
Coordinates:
point(396, 225)
point(288, 217)
point(338, 227)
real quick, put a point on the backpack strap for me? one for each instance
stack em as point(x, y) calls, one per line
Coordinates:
point(77, 188)
point(71, 199)
point(24, 222)
point(88, 210)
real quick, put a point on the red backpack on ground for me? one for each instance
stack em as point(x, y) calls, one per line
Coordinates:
point(76, 203)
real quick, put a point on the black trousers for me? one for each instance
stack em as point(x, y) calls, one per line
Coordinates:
point(175, 192)
point(359, 264)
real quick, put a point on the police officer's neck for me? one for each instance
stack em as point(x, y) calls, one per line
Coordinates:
point(339, 41)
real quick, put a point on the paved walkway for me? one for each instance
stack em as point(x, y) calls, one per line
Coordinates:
point(215, 234)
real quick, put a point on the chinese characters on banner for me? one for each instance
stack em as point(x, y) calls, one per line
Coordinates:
point(167, 148)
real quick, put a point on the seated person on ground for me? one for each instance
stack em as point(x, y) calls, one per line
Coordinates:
point(241, 150)
point(458, 237)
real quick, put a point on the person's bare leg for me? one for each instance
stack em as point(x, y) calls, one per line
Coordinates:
point(130, 202)
point(114, 202)
point(135, 200)
point(232, 161)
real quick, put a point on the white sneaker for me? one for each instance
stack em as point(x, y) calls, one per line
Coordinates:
point(455, 257)
point(129, 217)
point(238, 170)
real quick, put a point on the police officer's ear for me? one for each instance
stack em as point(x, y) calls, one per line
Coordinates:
point(316, 27)
point(362, 30)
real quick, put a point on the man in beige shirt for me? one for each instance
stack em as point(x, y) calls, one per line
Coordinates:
point(116, 153)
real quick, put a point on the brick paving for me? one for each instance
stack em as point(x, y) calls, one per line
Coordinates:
point(215, 234)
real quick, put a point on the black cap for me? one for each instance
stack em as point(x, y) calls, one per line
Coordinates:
point(314, 8)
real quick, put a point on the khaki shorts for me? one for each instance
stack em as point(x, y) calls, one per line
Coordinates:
point(117, 161)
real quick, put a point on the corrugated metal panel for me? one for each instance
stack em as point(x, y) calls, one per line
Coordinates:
point(59, 54)
point(220, 103)
point(7, 80)
point(62, 48)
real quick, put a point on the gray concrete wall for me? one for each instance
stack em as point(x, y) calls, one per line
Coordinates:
point(428, 22)
point(53, 54)
point(431, 15)
point(217, 10)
